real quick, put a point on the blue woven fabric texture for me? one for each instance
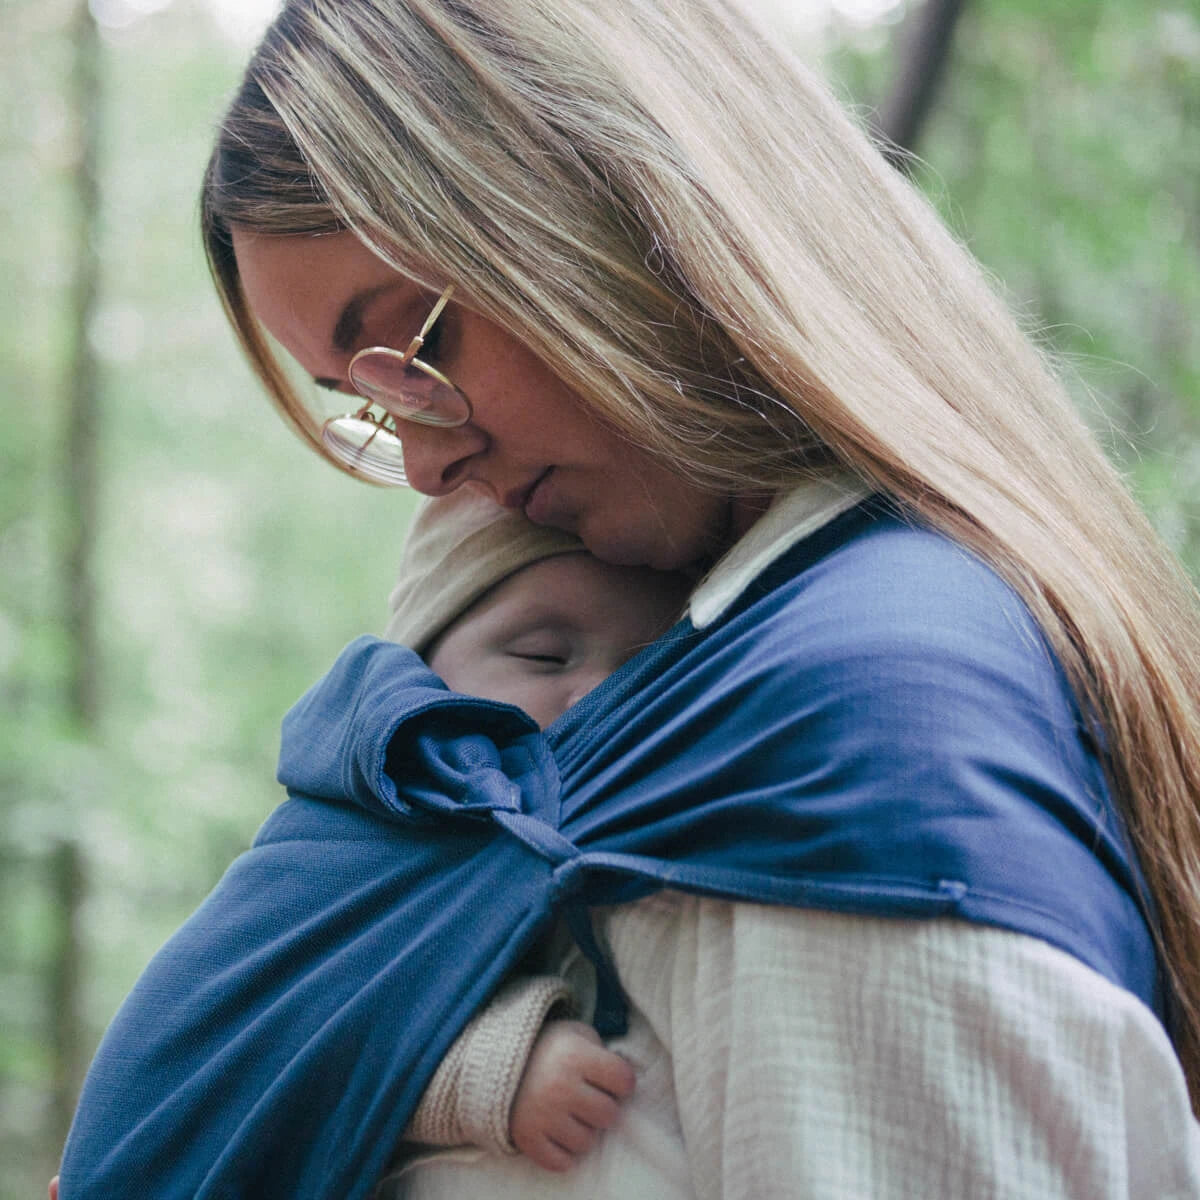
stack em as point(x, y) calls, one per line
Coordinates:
point(876, 726)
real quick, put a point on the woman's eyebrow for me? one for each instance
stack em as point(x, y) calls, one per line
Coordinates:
point(348, 327)
point(349, 323)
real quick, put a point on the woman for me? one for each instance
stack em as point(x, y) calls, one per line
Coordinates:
point(695, 317)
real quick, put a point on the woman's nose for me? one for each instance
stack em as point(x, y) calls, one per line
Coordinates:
point(437, 460)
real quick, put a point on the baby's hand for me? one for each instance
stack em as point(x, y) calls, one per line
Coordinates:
point(571, 1090)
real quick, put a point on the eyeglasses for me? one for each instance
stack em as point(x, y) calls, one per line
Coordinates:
point(406, 389)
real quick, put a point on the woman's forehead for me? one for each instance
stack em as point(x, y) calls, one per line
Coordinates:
point(311, 292)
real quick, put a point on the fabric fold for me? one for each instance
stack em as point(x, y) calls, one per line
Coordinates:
point(875, 727)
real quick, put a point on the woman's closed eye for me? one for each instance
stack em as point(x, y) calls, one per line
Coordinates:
point(431, 348)
point(397, 331)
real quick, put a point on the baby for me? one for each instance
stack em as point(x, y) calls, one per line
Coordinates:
point(505, 610)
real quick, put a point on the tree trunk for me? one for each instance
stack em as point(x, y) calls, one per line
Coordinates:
point(923, 61)
point(81, 386)
point(78, 475)
point(67, 888)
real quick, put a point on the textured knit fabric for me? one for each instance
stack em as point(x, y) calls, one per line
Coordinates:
point(642, 1158)
point(470, 1098)
point(874, 726)
point(820, 1056)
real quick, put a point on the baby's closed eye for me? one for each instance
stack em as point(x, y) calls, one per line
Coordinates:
point(548, 649)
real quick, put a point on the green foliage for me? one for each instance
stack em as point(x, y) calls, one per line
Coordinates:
point(231, 564)
point(1063, 150)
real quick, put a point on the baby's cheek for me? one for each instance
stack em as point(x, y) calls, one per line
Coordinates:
point(545, 698)
point(581, 682)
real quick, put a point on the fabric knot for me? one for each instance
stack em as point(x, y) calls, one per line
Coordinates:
point(538, 836)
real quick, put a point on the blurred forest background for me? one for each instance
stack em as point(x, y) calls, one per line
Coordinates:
point(175, 569)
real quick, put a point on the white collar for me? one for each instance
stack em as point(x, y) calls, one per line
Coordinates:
point(791, 516)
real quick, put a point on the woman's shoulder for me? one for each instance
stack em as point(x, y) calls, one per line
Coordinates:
point(873, 587)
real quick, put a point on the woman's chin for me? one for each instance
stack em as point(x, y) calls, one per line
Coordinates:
point(628, 547)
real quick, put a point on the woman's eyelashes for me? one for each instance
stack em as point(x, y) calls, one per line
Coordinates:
point(432, 347)
point(397, 332)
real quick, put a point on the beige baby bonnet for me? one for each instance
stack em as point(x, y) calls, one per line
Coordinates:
point(458, 547)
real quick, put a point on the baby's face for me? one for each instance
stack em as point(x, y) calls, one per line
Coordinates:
point(545, 636)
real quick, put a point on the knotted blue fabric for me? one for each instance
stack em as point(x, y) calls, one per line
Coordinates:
point(875, 727)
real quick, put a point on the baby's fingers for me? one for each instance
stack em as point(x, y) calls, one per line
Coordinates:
point(548, 1155)
point(571, 1090)
point(573, 1135)
point(594, 1107)
point(563, 1143)
point(609, 1072)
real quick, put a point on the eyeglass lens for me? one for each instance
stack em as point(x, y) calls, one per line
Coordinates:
point(406, 390)
point(366, 448)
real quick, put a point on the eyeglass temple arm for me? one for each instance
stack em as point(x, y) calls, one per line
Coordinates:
point(419, 340)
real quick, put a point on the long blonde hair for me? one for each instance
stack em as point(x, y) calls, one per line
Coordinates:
point(683, 223)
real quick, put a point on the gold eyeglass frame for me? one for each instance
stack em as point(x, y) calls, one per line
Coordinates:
point(383, 432)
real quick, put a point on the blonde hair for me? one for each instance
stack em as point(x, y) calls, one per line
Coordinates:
point(683, 223)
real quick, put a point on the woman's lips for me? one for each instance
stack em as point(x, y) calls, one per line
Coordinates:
point(517, 498)
point(536, 504)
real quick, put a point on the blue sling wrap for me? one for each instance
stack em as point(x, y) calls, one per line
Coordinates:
point(876, 726)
